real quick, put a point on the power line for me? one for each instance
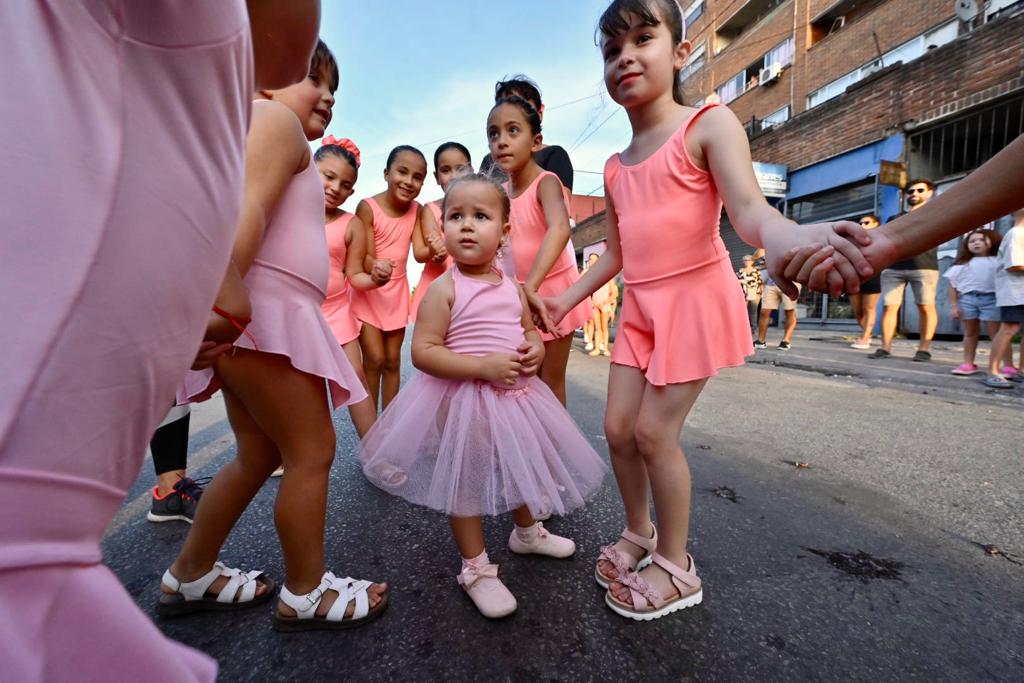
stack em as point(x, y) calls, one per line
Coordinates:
point(591, 134)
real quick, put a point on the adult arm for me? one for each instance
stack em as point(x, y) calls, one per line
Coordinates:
point(991, 191)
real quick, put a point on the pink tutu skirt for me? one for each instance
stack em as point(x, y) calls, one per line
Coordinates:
point(467, 448)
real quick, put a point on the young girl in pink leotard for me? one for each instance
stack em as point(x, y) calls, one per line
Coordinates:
point(476, 433)
point(338, 163)
point(540, 226)
point(683, 318)
point(273, 382)
point(451, 159)
point(391, 218)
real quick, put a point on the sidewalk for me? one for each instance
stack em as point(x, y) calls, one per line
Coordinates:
point(828, 352)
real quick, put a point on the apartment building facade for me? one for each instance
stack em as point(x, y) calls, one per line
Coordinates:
point(829, 89)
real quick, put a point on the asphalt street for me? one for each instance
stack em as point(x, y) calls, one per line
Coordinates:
point(851, 521)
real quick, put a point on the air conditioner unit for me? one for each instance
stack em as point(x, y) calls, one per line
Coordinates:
point(769, 74)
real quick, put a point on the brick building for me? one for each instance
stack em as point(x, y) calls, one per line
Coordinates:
point(827, 89)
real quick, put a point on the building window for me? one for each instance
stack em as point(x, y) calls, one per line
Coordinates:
point(776, 117)
point(732, 88)
point(839, 15)
point(693, 13)
point(907, 52)
point(781, 54)
point(694, 64)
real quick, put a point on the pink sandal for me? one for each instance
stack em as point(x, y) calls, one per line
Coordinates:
point(624, 564)
point(648, 603)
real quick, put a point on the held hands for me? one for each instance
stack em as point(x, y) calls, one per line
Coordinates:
point(814, 266)
point(381, 272)
point(438, 252)
point(500, 368)
point(532, 355)
point(837, 246)
point(542, 317)
point(209, 352)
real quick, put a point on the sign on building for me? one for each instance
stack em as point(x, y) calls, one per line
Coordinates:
point(772, 178)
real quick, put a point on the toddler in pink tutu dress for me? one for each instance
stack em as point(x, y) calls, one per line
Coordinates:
point(477, 433)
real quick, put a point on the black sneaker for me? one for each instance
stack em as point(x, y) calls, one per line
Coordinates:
point(783, 345)
point(760, 345)
point(879, 353)
point(178, 505)
point(922, 356)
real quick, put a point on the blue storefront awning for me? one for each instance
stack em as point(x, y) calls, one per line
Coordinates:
point(844, 169)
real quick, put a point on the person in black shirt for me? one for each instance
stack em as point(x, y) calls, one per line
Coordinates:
point(921, 272)
point(550, 157)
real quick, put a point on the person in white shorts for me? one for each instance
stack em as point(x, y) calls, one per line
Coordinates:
point(770, 301)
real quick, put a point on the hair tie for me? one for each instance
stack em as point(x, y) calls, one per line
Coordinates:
point(344, 143)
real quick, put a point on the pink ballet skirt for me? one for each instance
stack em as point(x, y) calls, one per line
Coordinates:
point(286, 286)
point(468, 447)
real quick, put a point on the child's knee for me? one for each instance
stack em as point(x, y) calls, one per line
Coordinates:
point(620, 435)
point(653, 441)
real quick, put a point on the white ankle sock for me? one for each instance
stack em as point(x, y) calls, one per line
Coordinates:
point(528, 534)
point(478, 561)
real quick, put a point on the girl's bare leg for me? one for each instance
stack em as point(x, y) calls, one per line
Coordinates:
point(971, 330)
point(552, 370)
point(363, 414)
point(468, 533)
point(869, 306)
point(371, 343)
point(630, 470)
point(391, 378)
point(663, 412)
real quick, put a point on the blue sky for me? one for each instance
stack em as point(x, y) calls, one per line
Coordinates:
point(419, 73)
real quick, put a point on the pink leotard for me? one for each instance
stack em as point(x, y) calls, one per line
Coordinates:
point(683, 317)
point(431, 269)
point(529, 227)
point(387, 307)
point(337, 306)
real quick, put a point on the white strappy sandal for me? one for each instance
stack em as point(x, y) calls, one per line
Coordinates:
point(348, 590)
point(192, 596)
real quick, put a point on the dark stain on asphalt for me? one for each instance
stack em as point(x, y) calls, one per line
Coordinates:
point(827, 372)
point(861, 565)
point(726, 492)
point(703, 447)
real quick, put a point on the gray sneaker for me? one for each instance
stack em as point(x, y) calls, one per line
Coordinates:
point(178, 505)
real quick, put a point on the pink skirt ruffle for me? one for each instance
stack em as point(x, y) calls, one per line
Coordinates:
point(343, 322)
point(684, 327)
point(386, 308)
point(470, 448)
point(286, 320)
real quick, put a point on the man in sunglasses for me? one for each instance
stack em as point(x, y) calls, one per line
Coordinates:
point(921, 272)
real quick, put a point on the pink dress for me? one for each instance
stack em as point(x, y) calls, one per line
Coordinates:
point(683, 317)
point(468, 447)
point(387, 307)
point(287, 284)
point(431, 269)
point(529, 227)
point(337, 306)
point(103, 310)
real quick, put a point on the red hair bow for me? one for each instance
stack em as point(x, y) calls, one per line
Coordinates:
point(344, 143)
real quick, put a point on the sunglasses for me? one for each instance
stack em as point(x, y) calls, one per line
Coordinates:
point(916, 190)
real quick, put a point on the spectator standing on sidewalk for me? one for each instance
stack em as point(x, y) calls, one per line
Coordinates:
point(1010, 299)
point(865, 303)
point(771, 300)
point(921, 272)
point(972, 291)
point(753, 288)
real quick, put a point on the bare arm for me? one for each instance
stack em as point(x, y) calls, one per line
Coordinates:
point(553, 202)
point(275, 150)
point(430, 355)
point(355, 255)
point(365, 215)
point(608, 266)
point(420, 248)
point(718, 140)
